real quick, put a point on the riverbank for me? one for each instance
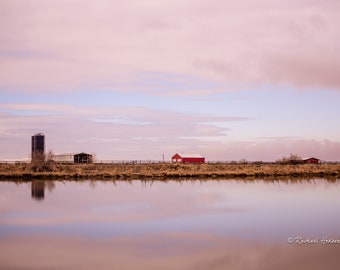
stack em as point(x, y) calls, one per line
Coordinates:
point(167, 171)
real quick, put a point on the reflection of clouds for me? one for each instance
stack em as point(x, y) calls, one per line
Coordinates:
point(22, 218)
point(120, 208)
point(252, 209)
point(161, 251)
point(123, 205)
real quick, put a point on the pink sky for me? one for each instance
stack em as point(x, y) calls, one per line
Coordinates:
point(251, 79)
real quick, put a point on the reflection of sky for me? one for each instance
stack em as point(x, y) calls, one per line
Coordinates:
point(249, 210)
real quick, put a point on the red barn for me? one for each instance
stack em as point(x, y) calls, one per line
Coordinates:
point(188, 158)
point(311, 160)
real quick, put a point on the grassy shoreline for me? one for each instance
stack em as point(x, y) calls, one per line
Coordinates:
point(168, 171)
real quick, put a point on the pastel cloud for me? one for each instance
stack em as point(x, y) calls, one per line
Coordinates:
point(109, 68)
point(117, 133)
point(63, 45)
point(142, 133)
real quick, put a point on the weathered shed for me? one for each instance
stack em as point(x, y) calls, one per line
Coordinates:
point(73, 158)
point(188, 158)
point(82, 158)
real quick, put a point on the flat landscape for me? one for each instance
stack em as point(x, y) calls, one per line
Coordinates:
point(167, 171)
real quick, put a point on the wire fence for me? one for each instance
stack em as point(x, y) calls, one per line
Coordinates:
point(135, 162)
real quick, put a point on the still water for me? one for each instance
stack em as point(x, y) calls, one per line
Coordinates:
point(224, 224)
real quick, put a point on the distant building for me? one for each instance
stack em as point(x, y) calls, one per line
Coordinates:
point(38, 148)
point(188, 158)
point(73, 158)
point(311, 160)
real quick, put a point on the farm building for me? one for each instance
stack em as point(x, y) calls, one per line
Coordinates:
point(38, 148)
point(73, 158)
point(188, 158)
point(311, 160)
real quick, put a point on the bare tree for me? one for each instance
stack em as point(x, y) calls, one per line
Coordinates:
point(50, 155)
point(293, 159)
point(94, 158)
point(38, 161)
point(42, 162)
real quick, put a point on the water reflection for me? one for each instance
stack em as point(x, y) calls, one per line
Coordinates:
point(166, 252)
point(38, 186)
point(168, 225)
point(38, 190)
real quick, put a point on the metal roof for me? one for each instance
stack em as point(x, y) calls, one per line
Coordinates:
point(71, 154)
point(191, 155)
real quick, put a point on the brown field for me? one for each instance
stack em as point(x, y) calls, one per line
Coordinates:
point(167, 171)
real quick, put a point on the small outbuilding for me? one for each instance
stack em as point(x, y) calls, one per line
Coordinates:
point(73, 158)
point(188, 158)
point(311, 160)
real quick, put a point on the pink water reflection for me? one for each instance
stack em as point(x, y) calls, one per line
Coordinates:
point(182, 251)
point(173, 225)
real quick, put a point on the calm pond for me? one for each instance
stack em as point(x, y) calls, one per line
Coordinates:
point(223, 224)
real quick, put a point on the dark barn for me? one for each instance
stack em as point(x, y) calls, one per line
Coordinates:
point(73, 158)
point(82, 158)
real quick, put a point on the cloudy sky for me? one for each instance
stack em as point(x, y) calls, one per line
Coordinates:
point(252, 79)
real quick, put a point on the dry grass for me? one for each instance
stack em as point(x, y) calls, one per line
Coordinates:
point(165, 171)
